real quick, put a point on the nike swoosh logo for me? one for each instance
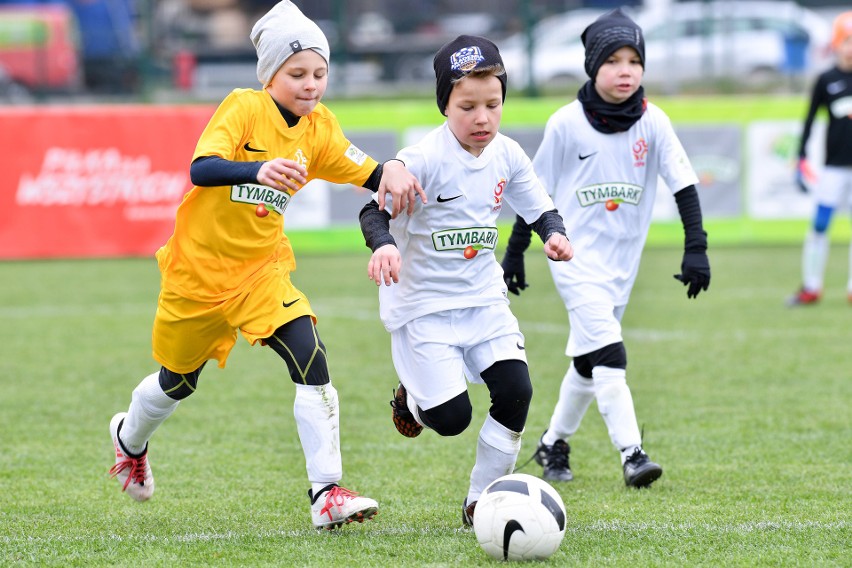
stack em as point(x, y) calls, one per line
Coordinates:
point(444, 200)
point(582, 157)
point(248, 148)
point(288, 304)
point(511, 528)
point(521, 347)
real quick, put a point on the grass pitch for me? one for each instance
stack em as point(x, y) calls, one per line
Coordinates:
point(743, 401)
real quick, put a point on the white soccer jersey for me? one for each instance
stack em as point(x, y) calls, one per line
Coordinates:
point(604, 186)
point(447, 245)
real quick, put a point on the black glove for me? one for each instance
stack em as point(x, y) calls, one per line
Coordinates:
point(695, 271)
point(513, 272)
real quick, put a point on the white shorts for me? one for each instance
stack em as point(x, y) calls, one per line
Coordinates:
point(593, 326)
point(834, 186)
point(435, 353)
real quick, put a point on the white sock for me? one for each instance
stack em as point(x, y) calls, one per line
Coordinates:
point(615, 404)
point(497, 450)
point(317, 413)
point(149, 407)
point(575, 395)
point(627, 452)
point(814, 257)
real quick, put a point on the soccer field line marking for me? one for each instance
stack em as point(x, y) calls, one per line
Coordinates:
point(600, 527)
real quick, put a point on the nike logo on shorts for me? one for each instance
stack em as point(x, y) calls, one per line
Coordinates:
point(288, 304)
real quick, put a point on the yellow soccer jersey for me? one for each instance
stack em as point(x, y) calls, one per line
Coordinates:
point(219, 245)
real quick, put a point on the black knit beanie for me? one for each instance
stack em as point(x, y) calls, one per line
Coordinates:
point(608, 34)
point(458, 58)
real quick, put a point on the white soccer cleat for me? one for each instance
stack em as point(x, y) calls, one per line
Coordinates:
point(134, 473)
point(334, 506)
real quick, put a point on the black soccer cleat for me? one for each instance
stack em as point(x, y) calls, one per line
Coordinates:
point(640, 471)
point(467, 512)
point(402, 417)
point(554, 460)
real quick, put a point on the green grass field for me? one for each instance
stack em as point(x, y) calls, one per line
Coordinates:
point(744, 402)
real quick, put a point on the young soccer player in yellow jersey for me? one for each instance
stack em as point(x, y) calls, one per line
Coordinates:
point(227, 265)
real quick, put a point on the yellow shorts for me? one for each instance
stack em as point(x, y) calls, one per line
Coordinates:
point(188, 333)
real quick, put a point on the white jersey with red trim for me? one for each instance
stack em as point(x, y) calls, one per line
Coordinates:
point(604, 186)
point(447, 245)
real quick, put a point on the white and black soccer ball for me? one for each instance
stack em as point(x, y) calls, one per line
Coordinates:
point(519, 517)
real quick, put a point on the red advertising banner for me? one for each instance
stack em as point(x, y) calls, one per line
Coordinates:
point(93, 181)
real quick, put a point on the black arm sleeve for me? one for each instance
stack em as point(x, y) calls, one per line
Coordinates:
point(213, 171)
point(372, 182)
point(519, 240)
point(689, 207)
point(375, 226)
point(809, 119)
point(550, 222)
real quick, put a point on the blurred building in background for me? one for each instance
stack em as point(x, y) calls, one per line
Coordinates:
point(199, 50)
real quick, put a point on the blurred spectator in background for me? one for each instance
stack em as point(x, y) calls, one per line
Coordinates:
point(111, 51)
point(109, 46)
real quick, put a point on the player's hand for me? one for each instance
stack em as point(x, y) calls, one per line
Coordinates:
point(513, 272)
point(384, 265)
point(805, 176)
point(402, 185)
point(280, 173)
point(695, 272)
point(558, 247)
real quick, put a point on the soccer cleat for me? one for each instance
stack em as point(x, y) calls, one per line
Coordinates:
point(467, 512)
point(134, 473)
point(333, 506)
point(640, 471)
point(554, 459)
point(402, 417)
point(803, 298)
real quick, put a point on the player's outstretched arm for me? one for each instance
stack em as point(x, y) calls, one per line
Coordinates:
point(402, 185)
point(385, 263)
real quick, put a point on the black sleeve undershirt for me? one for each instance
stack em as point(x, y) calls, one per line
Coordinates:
point(689, 207)
point(375, 226)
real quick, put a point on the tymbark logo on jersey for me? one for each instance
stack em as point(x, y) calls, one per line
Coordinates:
point(274, 199)
point(466, 240)
point(613, 192)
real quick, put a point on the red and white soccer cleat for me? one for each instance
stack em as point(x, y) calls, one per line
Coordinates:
point(134, 473)
point(804, 297)
point(333, 506)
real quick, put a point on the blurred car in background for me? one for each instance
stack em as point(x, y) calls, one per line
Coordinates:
point(750, 42)
point(40, 48)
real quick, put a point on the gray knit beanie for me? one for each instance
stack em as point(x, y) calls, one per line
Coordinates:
point(280, 33)
point(606, 35)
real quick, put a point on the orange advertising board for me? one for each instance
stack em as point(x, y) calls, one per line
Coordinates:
point(93, 181)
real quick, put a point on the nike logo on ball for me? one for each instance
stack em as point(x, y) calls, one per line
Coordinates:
point(582, 157)
point(248, 148)
point(444, 200)
point(288, 304)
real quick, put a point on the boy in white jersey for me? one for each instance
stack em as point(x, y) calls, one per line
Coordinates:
point(444, 300)
point(227, 266)
point(600, 158)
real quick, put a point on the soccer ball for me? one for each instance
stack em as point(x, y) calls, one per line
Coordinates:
point(519, 517)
